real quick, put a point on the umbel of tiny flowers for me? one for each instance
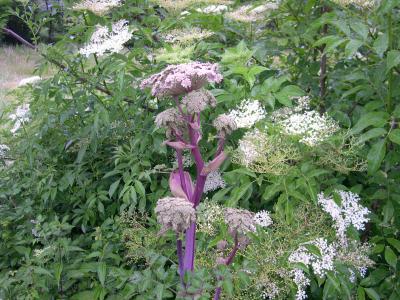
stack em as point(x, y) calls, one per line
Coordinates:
point(185, 83)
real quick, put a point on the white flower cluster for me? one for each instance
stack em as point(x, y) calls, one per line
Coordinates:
point(209, 214)
point(320, 264)
point(248, 148)
point(3, 150)
point(270, 291)
point(249, 13)
point(214, 181)
point(309, 124)
point(313, 127)
point(248, 113)
point(104, 40)
point(98, 7)
point(20, 116)
point(301, 280)
point(358, 3)
point(213, 9)
point(29, 80)
point(263, 218)
point(186, 36)
point(349, 212)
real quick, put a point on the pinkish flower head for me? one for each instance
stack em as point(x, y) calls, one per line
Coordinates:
point(176, 80)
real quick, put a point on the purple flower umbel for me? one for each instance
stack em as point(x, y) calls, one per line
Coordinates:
point(181, 79)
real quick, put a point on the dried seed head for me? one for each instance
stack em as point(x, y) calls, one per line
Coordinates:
point(175, 213)
point(198, 100)
point(239, 220)
point(225, 125)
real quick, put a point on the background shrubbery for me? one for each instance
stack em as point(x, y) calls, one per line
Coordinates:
point(80, 181)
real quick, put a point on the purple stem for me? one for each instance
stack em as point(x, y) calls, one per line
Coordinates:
point(221, 144)
point(180, 257)
point(228, 261)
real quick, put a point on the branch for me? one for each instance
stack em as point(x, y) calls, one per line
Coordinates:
point(19, 38)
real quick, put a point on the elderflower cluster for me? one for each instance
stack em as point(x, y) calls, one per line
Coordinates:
point(320, 264)
point(105, 40)
point(310, 125)
point(29, 80)
point(270, 291)
point(214, 182)
point(209, 215)
point(98, 7)
point(248, 113)
point(348, 212)
point(213, 9)
point(249, 13)
point(358, 3)
point(20, 116)
point(263, 218)
point(176, 5)
point(299, 120)
point(186, 36)
point(174, 55)
point(264, 153)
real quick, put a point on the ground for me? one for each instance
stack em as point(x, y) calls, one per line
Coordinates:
point(16, 63)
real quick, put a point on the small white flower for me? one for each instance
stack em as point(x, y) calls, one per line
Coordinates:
point(105, 41)
point(214, 181)
point(20, 117)
point(248, 113)
point(263, 218)
point(98, 7)
point(349, 212)
point(213, 9)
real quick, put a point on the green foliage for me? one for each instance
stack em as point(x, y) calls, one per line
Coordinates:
point(78, 187)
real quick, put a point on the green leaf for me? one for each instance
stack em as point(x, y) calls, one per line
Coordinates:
point(392, 60)
point(376, 155)
point(360, 28)
point(372, 294)
point(113, 188)
point(140, 188)
point(287, 93)
point(58, 267)
point(352, 47)
point(371, 134)
point(85, 295)
point(360, 293)
point(381, 44)
point(394, 136)
point(390, 257)
point(395, 243)
point(376, 119)
point(102, 272)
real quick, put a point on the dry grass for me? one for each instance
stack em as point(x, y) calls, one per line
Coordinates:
point(16, 63)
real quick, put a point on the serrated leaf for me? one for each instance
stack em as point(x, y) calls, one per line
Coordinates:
point(352, 47)
point(395, 243)
point(285, 95)
point(376, 155)
point(360, 28)
point(371, 134)
point(390, 257)
point(394, 136)
point(381, 44)
point(376, 119)
point(360, 293)
point(392, 60)
point(372, 294)
point(102, 272)
point(113, 188)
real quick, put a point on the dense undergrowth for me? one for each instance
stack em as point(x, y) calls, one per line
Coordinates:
point(313, 88)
